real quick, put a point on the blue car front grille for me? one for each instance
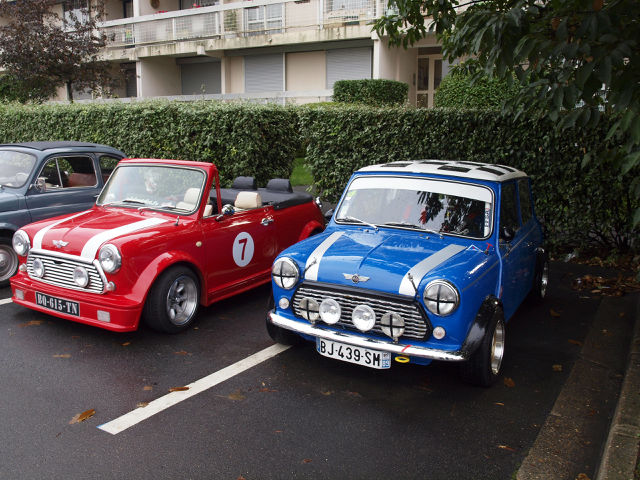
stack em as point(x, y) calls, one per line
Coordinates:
point(417, 325)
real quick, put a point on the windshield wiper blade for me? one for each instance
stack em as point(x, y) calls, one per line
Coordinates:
point(402, 224)
point(125, 201)
point(358, 220)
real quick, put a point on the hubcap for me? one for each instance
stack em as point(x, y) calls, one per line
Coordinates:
point(8, 262)
point(182, 300)
point(497, 347)
point(544, 279)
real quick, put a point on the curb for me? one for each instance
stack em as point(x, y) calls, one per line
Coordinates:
point(569, 444)
point(623, 443)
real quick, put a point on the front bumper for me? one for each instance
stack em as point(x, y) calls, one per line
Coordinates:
point(123, 315)
point(376, 344)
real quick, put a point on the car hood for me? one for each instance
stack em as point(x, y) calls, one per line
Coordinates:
point(8, 201)
point(395, 262)
point(83, 233)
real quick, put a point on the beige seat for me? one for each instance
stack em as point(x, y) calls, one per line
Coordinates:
point(247, 200)
point(190, 199)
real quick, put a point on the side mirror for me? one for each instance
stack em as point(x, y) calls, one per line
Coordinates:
point(328, 214)
point(40, 185)
point(227, 211)
point(507, 234)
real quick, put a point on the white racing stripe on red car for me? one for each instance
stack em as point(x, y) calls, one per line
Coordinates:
point(37, 239)
point(91, 247)
point(313, 262)
point(419, 270)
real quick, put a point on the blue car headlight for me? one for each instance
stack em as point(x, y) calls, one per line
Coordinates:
point(441, 298)
point(285, 273)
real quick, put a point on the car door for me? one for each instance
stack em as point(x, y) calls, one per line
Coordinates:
point(516, 280)
point(239, 250)
point(71, 184)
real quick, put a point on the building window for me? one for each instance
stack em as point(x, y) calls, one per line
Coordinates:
point(263, 19)
point(75, 11)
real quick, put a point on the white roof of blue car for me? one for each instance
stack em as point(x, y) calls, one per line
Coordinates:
point(475, 170)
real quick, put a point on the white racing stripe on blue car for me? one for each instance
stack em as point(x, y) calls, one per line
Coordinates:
point(91, 247)
point(313, 262)
point(418, 271)
point(37, 238)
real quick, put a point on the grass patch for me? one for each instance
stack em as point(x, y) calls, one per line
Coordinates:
point(300, 174)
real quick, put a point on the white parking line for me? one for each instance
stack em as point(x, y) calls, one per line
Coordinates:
point(156, 406)
point(5, 300)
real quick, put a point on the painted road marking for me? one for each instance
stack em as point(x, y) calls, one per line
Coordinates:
point(158, 405)
point(5, 300)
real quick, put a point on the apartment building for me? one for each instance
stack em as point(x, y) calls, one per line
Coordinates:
point(291, 51)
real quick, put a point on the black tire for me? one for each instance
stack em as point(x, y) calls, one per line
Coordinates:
point(279, 334)
point(485, 365)
point(173, 301)
point(8, 261)
point(540, 278)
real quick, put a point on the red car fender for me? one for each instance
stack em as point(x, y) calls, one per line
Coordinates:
point(153, 270)
point(309, 228)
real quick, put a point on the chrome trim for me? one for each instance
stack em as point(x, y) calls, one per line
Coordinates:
point(358, 341)
point(58, 278)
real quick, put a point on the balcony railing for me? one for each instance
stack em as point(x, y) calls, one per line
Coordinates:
point(240, 19)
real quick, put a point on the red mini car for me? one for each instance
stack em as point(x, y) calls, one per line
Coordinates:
point(162, 239)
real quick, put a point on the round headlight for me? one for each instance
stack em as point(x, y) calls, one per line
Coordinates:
point(80, 276)
point(285, 273)
point(330, 311)
point(21, 242)
point(38, 268)
point(110, 258)
point(363, 317)
point(392, 325)
point(309, 309)
point(441, 298)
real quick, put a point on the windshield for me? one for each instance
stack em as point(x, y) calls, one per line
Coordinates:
point(154, 186)
point(419, 203)
point(15, 168)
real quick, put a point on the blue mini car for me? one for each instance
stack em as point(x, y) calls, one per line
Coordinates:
point(422, 260)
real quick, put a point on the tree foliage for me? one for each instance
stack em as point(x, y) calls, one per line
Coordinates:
point(575, 59)
point(41, 51)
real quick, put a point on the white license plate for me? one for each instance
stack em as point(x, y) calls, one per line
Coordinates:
point(58, 304)
point(352, 354)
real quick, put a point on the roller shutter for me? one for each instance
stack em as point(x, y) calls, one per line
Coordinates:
point(264, 73)
point(348, 64)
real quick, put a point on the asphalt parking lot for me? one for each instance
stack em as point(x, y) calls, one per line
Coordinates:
point(292, 415)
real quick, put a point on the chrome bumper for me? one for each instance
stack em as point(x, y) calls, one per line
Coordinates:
point(355, 340)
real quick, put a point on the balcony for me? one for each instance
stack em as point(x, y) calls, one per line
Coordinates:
point(240, 20)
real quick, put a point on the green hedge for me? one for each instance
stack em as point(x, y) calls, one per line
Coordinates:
point(241, 139)
point(457, 91)
point(580, 207)
point(375, 92)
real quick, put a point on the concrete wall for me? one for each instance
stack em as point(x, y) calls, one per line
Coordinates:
point(161, 77)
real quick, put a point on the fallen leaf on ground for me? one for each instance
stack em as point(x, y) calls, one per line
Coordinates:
point(81, 417)
point(575, 342)
point(266, 389)
point(142, 404)
point(506, 447)
point(307, 460)
point(353, 394)
point(509, 382)
point(583, 476)
point(554, 314)
point(147, 388)
point(126, 344)
point(62, 355)
point(235, 396)
point(178, 389)
point(500, 404)
point(181, 352)
point(326, 393)
point(277, 431)
point(31, 323)
point(557, 368)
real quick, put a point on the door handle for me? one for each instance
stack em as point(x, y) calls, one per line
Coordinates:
point(266, 221)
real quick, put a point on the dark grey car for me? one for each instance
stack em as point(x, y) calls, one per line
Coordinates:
point(44, 179)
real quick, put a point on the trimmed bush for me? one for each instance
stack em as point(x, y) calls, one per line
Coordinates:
point(579, 207)
point(371, 92)
point(457, 91)
point(241, 139)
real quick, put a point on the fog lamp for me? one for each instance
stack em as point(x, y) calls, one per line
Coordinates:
point(38, 268)
point(392, 325)
point(80, 277)
point(330, 311)
point(363, 317)
point(439, 333)
point(309, 309)
point(283, 303)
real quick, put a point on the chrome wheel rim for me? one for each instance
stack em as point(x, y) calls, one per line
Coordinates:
point(497, 347)
point(544, 279)
point(8, 262)
point(182, 300)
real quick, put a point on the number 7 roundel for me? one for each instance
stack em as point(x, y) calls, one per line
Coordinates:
point(243, 249)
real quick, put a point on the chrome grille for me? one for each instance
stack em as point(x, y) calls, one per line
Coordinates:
point(416, 325)
point(59, 271)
